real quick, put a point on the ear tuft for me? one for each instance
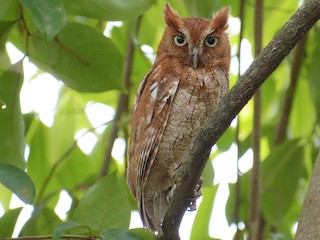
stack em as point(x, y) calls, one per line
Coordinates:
point(220, 19)
point(171, 17)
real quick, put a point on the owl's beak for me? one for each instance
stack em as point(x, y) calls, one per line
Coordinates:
point(195, 57)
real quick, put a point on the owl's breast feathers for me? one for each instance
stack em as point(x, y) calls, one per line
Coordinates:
point(172, 103)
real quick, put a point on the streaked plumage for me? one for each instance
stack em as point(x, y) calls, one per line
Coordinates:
point(183, 88)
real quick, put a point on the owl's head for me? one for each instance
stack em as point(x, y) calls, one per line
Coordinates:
point(196, 42)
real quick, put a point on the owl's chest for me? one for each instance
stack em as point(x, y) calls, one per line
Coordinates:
point(195, 100)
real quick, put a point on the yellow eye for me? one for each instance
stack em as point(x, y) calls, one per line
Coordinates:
point(211, 41)
point(180, 40)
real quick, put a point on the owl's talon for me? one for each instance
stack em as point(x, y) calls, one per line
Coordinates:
point(196, 195)
point(170, 193)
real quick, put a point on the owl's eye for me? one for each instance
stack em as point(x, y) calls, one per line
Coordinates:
point(211, 41)
point(180, 40)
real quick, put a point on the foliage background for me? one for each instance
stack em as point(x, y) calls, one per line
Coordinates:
point(66, 39)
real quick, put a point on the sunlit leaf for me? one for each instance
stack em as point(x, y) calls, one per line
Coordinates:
point(105, 205)
point(109, 10)
point(12, 126)
point(5, 197)
point(18, 181)
point(48, 16)
point(200, 228)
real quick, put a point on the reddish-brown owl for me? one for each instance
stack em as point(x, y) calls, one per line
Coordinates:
point(183, 88)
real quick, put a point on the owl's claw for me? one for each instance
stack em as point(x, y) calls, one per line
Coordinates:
point(197, 194)
point(193, 199)
point(170, 193)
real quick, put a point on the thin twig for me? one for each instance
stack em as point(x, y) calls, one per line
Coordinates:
point(289, 96)
point(195, 158)
point(66, 236)
point(254, 227)
point(61, 159)
point(238, 183)
point(123, 100)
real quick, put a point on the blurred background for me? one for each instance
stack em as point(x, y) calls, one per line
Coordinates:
point(69, 71)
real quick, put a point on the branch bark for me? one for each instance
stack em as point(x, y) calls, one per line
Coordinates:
point(229, 107)
point(309, 220)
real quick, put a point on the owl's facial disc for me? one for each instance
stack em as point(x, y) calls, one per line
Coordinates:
point(195, 57)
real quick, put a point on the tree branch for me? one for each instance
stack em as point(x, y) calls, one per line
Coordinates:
point(229, 107)
point(309, 220)
point(254, 226)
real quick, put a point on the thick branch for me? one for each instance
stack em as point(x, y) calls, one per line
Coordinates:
point(230, 106)
point(309, 220)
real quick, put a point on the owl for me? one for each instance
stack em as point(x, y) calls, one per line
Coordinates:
point(186, 82)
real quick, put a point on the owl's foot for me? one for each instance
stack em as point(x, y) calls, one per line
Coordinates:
point(197, 194)
point(170, 192)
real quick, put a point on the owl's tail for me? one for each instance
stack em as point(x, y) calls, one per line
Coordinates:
point(152, 211)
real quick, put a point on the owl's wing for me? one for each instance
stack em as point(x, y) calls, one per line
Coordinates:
point(149, 118)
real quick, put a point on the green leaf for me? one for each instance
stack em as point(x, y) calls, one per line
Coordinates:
point(281, 172)
point(9, 10)
point(48, 16)
point(62, 228)
point(81, 57)
point(143, 233)
point(119, 234)
point(108, 10)
point(5, 197)
point(105, 205)
point(224, 143)
point(76, 119)
point(302, 111)
point(243, 202)
point(200, 228)
point(314, 72)
point(43, 221)
point(12, 126)
point(18, 182)
point(8, 222)
point(5, 28)
point(37, 138)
